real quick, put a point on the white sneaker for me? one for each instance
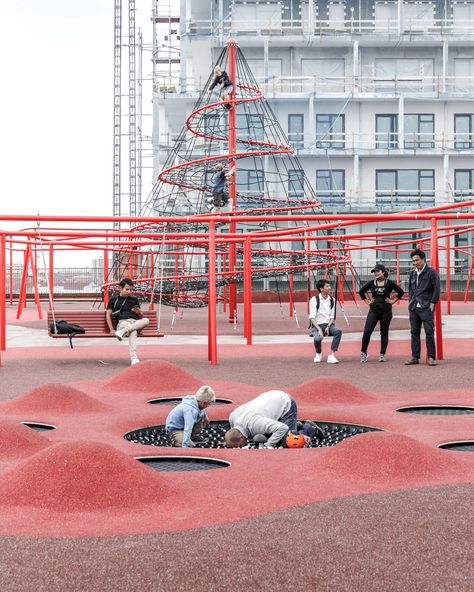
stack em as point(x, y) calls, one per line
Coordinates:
point(134, 361)
point(318, 358)
point(332, 359)
point(119, 334)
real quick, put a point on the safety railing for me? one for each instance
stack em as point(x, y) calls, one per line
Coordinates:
point(332, 27)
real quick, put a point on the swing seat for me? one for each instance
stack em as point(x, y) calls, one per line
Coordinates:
point(95, 324)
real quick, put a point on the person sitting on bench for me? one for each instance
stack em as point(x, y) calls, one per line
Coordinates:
point(126, 309)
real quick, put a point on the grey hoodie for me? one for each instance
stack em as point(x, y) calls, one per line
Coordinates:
point(261, 415)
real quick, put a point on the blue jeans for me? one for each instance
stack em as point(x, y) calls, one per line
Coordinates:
point(289, 418)
point(334, 332)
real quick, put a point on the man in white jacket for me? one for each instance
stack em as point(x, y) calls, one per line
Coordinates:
point(272, 414)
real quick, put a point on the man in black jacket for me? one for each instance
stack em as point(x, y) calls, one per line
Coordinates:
point(423, 295)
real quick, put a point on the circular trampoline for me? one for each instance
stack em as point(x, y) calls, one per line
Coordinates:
point(461, 446)
point(171, 464)
point(38, 427)
point(437, 409)
point(173, 401)
point(213, 435)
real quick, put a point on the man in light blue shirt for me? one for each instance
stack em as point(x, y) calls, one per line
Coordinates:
point(185, 421)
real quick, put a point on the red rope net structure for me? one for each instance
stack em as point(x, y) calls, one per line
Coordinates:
point(268, 180)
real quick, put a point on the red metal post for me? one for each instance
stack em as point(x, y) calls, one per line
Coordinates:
point(35, 284)
point(51, 277)
point(290, 286)
point(248, 290)
point(434, 262)
point(11, 272)
point(106, 275)
point(397, 278)
point(3, 294)
point(232, 143)
point(448, 269)
point(212, 335)
point(151, 275)
point(224, 288)
point(24, 278)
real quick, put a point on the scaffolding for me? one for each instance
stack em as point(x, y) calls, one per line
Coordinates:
point(166, 41)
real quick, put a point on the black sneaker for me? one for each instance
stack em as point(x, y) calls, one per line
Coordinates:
point(318, 432)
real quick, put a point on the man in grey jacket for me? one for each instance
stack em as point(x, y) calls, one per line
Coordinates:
point(272, 414)
point(423, 295)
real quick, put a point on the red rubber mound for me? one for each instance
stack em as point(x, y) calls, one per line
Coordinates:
point(79, 477)
point(56, 397)
point(154, 376)
point(397, 460)
point(17, 439)
point(327, 389)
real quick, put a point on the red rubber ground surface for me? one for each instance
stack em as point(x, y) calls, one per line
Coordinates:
point(380, 511)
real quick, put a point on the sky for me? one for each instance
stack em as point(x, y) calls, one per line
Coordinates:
point(56, 105)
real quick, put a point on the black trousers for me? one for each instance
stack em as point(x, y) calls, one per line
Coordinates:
point(419, 317)
point(373, 317)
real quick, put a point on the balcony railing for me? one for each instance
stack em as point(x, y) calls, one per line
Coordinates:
point(276, 86)
point(321, 28)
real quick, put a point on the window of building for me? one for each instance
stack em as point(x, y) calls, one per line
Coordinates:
point(329, 74)
point(464, 74)
point(386, 16)
point(257, 67)
point(296, 130)
point(250, 182)
point(463, 183)
point(249, 126)
point(389, 255)
point(463, 12)
point(399, 186)
point(413, 74)
point(464, 131)
point(330, 130)
point(419, 130)
point(461, 241)
point(331, 186)
point(296, 183)
point(417, 16)
point(252, 15)
point(386, 131)
point(336, 15)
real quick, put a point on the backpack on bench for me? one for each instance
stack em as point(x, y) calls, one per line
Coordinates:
point(62, 327)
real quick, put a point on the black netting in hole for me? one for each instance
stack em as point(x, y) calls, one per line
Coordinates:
point(183, 463)
point(467, 446)
point(173, 401)
point(214, 434)
point(38, 427)
point(438, 410)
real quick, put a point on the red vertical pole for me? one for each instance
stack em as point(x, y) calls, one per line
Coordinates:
point(176, 273)
point(3, 294)
point(308, 272)
point(35, 285)
point(290, 286)
point(11, 272)
point(448, 269)
point(24, 277)
point(354, 291)
point(224, 287)
point(397, 273)
point(106, 273)
point(232, 144)
point(151, 267)
point(248, 290)
point(211, 275)
point(51, 277)
point(434, 262)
